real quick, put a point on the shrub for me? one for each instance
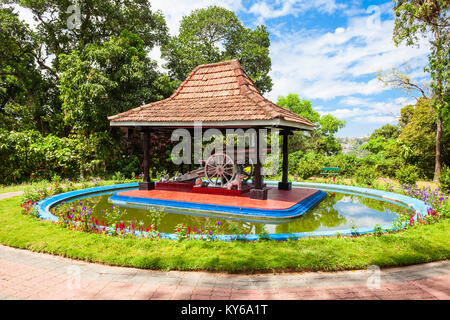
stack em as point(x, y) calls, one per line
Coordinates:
point(444, 179)
point(347, 164)
point(293, 160)
point(444, 210)
point(306, 169)
point(36, 192)
point(366, 175)
point(407, 175)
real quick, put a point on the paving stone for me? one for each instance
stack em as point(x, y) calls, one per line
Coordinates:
point(27, 275)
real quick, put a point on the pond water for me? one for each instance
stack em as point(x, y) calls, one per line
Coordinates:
point(336, 212)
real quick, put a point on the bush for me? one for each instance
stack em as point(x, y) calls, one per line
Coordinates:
point(293, 160)
point(306, 169)
point(444, 179)
point(366, 175)
point(348, 164)
point(407, 175)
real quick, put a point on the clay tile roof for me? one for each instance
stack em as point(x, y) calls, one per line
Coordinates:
point(218, 93)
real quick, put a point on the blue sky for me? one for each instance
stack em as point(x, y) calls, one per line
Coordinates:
point(326, 51)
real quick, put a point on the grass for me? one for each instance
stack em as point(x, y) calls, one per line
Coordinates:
point(421, 244)
point(25, 185)
point(14, 187)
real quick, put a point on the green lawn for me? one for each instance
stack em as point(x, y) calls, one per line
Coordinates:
point(418, 245)
point(13, 188)
point(25, 185)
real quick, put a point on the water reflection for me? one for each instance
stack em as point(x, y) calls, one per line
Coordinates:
point(336, 211)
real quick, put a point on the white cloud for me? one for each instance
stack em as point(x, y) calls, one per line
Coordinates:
point(377, 119)
point(340, 63)
point(175, 10)
point(264, 10)
point(368, 110)
point(25, 14)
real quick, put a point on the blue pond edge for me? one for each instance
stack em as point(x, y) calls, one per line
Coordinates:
point(295, 211)
point(417, 205)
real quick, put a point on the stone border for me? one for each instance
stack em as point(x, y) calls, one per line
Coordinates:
point(417, 205)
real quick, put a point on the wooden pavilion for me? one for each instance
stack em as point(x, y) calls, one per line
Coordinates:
point(219, 95)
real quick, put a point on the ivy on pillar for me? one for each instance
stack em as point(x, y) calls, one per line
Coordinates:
point(147, 184)
point(285, 184)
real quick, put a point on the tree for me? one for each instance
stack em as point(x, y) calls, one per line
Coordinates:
point(429, 18)
point(65, 25)
point(417, 137)
point(106, 79)
point(387, 131)
point(215, 34)
point(26, 96)
point(322, 139)
point(399, 79)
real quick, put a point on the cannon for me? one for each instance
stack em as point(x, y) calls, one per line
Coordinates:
point(220, 171)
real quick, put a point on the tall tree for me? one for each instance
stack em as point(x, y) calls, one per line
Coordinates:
point(66, 25)
point(429, 18)
point(215, 34)
point(417, 138)
point(106, 79)
point(26, 96)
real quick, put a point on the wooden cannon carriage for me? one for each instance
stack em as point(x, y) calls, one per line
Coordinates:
point(220, 170)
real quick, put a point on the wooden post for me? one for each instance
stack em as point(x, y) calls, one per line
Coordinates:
point(259, 192)
point(258, 177)
point(191, 132)
point(284, 184)
point(147, 184)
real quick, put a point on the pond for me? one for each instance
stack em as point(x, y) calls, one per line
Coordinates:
point(336, 212)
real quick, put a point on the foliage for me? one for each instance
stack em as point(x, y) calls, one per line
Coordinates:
point(293, 160)
point(429, 19)
point(107, 79)
point(263, 234)
point(43, 157)
point(366, 175)
point(321, 139)
point(59, 29)
point(59, 82)
point(417, 141)
point(308, 166)
point(215, 34)
point(407, 175)
point(444, 210)
point(378, 230)
point(26, 96)
point(444, 179)
point(348, 164)
point(411, 143)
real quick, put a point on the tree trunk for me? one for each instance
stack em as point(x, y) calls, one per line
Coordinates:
point(437, 166)
point(439, 94)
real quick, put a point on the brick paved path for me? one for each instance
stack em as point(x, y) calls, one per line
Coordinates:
point(10, 194)
point(29, 275)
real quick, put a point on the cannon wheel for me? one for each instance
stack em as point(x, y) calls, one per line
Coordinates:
point(220, 169)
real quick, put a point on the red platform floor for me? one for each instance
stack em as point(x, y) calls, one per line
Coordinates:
point(277, 199)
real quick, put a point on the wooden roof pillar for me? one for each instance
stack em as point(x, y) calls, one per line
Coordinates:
point(284, 184)
point(259, 192)
point(147, 183)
